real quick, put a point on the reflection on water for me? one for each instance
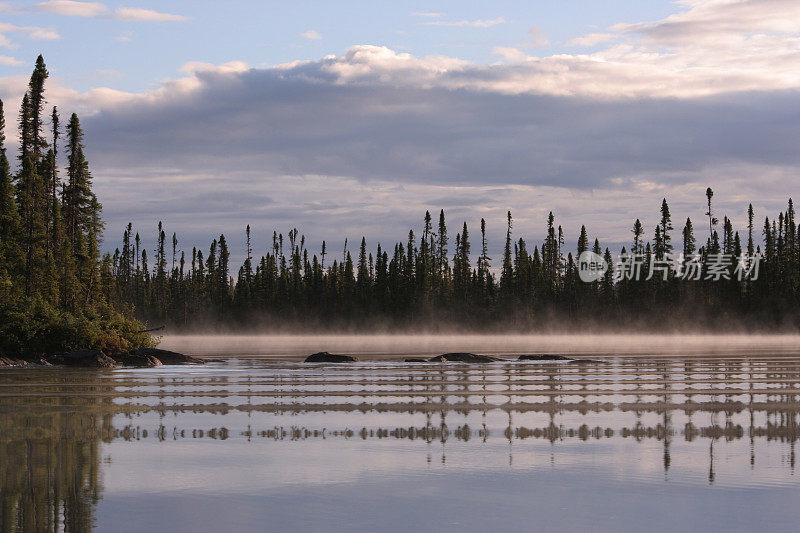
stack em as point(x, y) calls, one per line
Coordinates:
point(248, 444)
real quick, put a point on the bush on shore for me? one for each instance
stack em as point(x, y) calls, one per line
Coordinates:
point(32, 329)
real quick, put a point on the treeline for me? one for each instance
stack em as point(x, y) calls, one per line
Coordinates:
point(424, 283)
point(54, 287)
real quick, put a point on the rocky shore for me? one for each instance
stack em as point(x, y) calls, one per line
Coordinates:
point(141, 358)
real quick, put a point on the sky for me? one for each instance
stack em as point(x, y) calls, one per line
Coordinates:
point(353, 118)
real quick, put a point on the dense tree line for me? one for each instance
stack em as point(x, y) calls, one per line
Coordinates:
point(54, 286)
point(422, 282)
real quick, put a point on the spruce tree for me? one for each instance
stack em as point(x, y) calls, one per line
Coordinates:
point(484, 262)
point(441, 250)
point(637, 231)
point(689, 247)
point(666, 227)
point(583, 241)
point(507, 274)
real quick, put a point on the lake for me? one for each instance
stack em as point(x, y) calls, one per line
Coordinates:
point(644, 433)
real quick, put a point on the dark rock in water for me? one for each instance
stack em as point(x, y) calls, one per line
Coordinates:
point(542, 357)
point(414, 360)
point(325, 357)
point(140, 361)
point(166, 357)
point(463, 358)
point(83, 359)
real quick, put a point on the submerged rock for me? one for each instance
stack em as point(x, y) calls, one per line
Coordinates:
point(414, 360)
point(139, 361)
point(325, 357)
point(83, 359)
point(462, 357)
point(542, 357)
point(166, 357)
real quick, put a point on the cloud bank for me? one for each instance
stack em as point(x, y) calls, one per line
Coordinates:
point(73, 8)
point(364, 142)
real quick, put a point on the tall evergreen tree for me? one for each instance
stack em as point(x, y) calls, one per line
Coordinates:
point(638, 232)
point(689, 246)
point(666, 227)
point(583, 241)
point(507, 274)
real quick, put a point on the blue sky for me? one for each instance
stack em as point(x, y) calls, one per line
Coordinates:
point(353, 118)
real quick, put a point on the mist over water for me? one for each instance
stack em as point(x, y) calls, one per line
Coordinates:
point(397, 345)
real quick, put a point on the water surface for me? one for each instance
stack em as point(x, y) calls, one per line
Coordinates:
point(663, 444)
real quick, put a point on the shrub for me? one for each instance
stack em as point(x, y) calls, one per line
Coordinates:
point(31, 329)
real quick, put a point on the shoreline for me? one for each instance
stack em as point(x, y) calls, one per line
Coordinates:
point(97, 359)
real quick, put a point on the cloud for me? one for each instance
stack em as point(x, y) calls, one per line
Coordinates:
point(32, 32)
point(592, 39)
point(341, 138)
point(8, 9)
point(510, 53)
point(348, 116)
point(537, 38)
point(8, 60)
point(124, 37)
point(618, 71)
point(74, 8)
point(488, 23)
point(373, 137)
point(146, 15)
point(708, 20)
point(311, 35)
point(427, 14)
point(44, 34)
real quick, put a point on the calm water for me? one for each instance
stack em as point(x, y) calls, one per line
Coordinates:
point(658, 444)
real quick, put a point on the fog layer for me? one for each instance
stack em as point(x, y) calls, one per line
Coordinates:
point(386, 346)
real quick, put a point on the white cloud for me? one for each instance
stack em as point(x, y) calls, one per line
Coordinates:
point(124, 37)
point(487, 23)
point(32, 32)
point(708, 20)
point(619, 71)
point(10, 61)
point(592, 39)
point(427, 14)
point(146, 15)
point(311, 35)
point(510, 53)
point(73, 8)
point(44, 34)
